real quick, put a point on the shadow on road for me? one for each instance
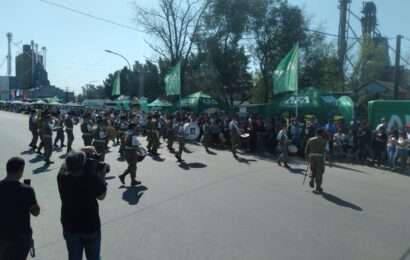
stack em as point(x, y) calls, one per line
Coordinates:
point(36, 159)
point(42, 169)
point(340, 202)
point(346, 168)
point(244, 160)
point(297, 170)
point(133, 194)
point(27, 152)
point(211, 152)
point(194, 165)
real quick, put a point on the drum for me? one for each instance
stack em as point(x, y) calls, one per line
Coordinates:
point(192, 131)
point(292, 149)
point(141, 154)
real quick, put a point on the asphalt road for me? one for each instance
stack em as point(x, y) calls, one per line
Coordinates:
point(219, 208)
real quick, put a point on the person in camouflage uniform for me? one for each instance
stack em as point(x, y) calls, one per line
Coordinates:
point(59, 129)
point(153, 135)
point(87, 130)
point(47, 133)
point(69, 126)
point(131, 148)
point(206, 134)
point(170, 133)
point(315, 154)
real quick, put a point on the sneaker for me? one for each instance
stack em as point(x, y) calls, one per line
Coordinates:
point(135, 182)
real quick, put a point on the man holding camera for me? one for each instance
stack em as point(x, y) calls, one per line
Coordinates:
point(81, 182)
point(17, 201)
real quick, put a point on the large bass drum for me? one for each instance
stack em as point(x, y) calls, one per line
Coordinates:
point(192, 131)
point(141, 154)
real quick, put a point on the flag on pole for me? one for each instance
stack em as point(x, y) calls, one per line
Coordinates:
point(116, 87)
point(173, 81)
point(285, 77)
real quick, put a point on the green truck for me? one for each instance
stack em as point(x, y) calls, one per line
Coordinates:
point(395, 112)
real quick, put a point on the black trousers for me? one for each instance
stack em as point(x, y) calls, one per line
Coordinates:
point(16, 249)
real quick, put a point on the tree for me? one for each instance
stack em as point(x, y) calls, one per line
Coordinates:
point(276, 27)
point(91, 91)
point(173, 26)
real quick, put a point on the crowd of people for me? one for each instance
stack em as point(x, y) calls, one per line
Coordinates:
point(81, 179)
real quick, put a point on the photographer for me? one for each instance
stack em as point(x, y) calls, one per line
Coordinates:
point(17, 201)
point(81, 182)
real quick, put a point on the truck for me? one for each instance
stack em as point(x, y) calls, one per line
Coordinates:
point(395, 112)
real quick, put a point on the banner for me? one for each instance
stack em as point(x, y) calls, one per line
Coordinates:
point(116, 87)
point(285, 77)
point(173, 81)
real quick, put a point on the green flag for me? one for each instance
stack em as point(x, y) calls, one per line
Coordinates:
point(173, 81)
point(116, 87)
point(285, 77)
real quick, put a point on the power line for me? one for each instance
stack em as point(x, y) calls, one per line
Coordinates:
point(98, 18)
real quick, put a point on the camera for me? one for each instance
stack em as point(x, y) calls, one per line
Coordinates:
point(94, 165)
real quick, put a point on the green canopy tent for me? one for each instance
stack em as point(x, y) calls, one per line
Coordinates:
point(198, 102)
point(159, 104)
point(310, 101)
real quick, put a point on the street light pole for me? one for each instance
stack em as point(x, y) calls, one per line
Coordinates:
point(122, 56)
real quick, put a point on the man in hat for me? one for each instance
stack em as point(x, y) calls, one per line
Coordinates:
point(59, 129)
point(180, 132)
point(87, 130)
point(315, 154)
point(69, 125)
point(132, 147)
point(33, 129)
point(153, 135)
point(100, 139)
point(235, 134)
point(47, 133)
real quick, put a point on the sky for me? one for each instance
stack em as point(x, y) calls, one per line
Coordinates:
point(75, 44)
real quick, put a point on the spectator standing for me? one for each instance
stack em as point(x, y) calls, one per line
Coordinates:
point(79, 189)
point(17, 202)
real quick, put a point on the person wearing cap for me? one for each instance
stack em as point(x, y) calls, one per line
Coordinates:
point(80, 191)
point(100, 139)
point(180, 132)
point(87, 130)
point(33, 129)
point(69, 126)
point(315, 154)
point(152, 135)
point(131, 149)
point(47, 132)
point(59, 129)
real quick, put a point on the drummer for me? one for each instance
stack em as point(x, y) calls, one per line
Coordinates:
point(131, 149)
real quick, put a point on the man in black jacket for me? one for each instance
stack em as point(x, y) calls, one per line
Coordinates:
point(17, 202)
point(79, 189)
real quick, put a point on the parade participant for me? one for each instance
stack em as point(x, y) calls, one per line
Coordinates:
point(33, 129)
point(315, 154)
point(131, 149)
point(87, 130)
point(39, 125)
point(59, 129)
point(206, 134)
point(170, 133)
point(100, 139)
point(47, 134)
point(235, 133)
point(153, 135)
point(283, 142)
point(68, 122)
point(123, 128)
point(180, 131)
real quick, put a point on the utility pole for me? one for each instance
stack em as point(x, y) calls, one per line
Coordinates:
point(342, 41)
point(397, 69)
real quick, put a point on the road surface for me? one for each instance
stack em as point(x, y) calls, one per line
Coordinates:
point(218, 208)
